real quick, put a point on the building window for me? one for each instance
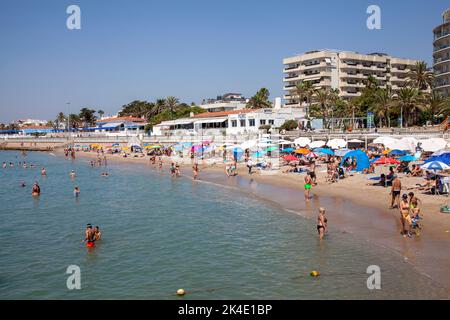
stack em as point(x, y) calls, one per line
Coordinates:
point(262, 122)
point(251, 122)
point(234, 123)
point(272, 122)
point(242, 123)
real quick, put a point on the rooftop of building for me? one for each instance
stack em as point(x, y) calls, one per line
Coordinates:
point(222, 113)
point(119, 119)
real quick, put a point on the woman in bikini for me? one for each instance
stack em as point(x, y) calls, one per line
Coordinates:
point(405, 216)
point(322, 227)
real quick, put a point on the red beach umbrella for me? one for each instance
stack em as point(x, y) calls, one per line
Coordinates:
point(290, 158)
point(385, 160)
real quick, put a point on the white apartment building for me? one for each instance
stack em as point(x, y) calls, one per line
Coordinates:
point(228, 122)
point(441, 54)
point(345, 71)
point(31, 122)
point(226, 102)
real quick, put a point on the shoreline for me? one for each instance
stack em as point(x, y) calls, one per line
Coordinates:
point(366, 217)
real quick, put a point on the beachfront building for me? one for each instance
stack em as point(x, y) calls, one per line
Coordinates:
point(31, 122)
point(226, 102)
point(233, 122)
point(120, 125)
point(441, 54)
point(345, 71)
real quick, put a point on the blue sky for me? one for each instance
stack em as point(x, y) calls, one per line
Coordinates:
point(191, 49)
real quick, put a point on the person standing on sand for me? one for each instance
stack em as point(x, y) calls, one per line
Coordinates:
point(308, 186)
point(249, 165)
point(322, 223)
point(396, 189)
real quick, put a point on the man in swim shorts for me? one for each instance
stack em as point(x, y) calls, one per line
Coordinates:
point(89, 234)
point(308, 186)
point(395, 192)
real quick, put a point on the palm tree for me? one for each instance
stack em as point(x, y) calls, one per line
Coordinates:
point(87, 116)
point(100, 113)
point(75, 121)
point(171, 104)
point(420, 76)
point(303, 90)
point(408, 101)
point(160, 106)
point(325, 98)
point(260, 100)
point(383, 105)
point(435, 102)
point(60, 118)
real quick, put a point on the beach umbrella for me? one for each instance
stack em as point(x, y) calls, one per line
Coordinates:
point(374, 159)
point(325, 151)
point(302, 151)
point(317, 144)
point(290, 158)
point(355, 141)
point(115, 145)
point(288, 150)
point(445, 158)
point(433, 144)
point(435, 166)
point(259, 154)
point(238, 152)
point(337, 143)
point(397, 152)
point(385, 160)
point(248, 144)
point(270, 149)
point(341, 152)
point(440, 153)
point(302, 142)
point(311, 155)
point(407, 158)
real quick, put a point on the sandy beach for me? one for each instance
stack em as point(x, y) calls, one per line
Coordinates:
point(352, 206)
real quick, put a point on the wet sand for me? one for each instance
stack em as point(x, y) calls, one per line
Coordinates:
point(352, 207)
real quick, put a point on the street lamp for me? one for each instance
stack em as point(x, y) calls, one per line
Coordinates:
point(68, 120)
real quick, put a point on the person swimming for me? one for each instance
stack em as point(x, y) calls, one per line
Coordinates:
point(76, 191)
point(43, 172)
point(104, 174)
point(4, 165)
point(89, 235)
point(36, 190)
point(72, 174)
point(22, 184)
point(97, 233)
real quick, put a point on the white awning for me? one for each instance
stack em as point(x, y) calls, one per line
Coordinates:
point(216, 120)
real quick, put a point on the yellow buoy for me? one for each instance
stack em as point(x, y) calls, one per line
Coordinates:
point(181, 292)
point(315, 273)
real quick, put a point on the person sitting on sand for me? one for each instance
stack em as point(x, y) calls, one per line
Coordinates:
point(416, 171)
point(322, 223)
point(381, 183)
point(36, 190)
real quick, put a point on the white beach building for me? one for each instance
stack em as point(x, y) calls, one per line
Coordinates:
point(233, 122)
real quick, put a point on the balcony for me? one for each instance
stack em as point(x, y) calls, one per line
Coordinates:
point(438, 36)
point(440, 48)
point(441, 60)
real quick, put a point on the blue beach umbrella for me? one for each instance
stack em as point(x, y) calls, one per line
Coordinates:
point(237, 153)
point(397, 152)
point(445, 158)
point(288, 150)
point(324, 151)
point(259, 154)
point(341, 152)
point(435, 166)
point(408, 158)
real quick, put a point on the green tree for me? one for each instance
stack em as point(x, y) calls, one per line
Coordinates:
point(87, 117)
point(407, 101)
point(434, 103)
point(420, 76)
point(100, 113)
point(60, 118)
point(260, 100)
point(289, 125)
point(172, 103)
point(384, 102)
point(75, 121)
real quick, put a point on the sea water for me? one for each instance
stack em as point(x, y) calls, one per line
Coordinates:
point(162, 233)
